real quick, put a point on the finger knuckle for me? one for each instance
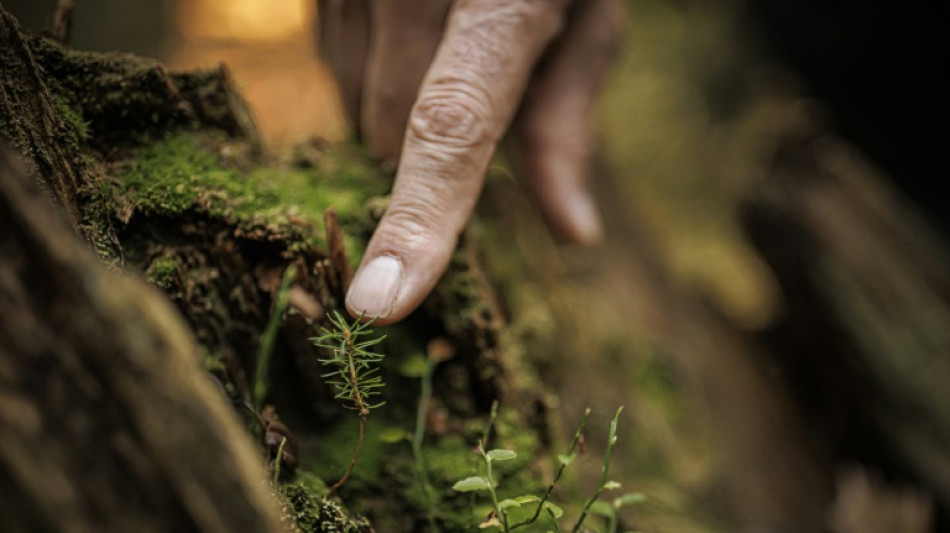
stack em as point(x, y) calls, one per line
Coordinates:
point(451, 119)
point(412, 226)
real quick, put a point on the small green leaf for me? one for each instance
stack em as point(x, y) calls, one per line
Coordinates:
point(555, 511)
point(491, 521)
point(566, 460)
point(630, 498)
point(557, 527)
point(392, 435)
point(603, 509)
point(527, 499)
point(471, 484)
point(505, 504)
point(501, 455)
point(611, 485)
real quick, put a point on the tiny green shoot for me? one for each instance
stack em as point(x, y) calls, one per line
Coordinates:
point(354, 374)
point(604, 483)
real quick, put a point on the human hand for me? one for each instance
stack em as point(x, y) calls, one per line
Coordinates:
point(435, 84)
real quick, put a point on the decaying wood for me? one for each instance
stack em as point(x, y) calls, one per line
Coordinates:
point(30, 121)
point(106, 421)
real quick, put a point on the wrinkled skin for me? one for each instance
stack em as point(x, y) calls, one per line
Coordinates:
point(434, 84)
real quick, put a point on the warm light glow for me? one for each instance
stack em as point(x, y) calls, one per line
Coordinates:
point(244, 20)
point(269, 47)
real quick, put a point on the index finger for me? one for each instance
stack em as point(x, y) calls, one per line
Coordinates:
point(466, 101)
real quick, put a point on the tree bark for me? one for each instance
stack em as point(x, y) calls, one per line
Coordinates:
point(30, 121)
point(106, 422)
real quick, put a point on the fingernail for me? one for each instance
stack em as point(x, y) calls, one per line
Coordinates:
point(375, 287)
point(586, 220)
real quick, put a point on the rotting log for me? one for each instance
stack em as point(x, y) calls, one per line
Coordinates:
point(162, 174)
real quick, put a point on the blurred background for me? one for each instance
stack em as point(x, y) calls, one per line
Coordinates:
point(672, 317)
point(269, 47)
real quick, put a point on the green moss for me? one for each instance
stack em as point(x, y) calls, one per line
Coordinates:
point(71, 119)
point(306, 511)
point(189, 172)
point(162, 270)
point(460, 290)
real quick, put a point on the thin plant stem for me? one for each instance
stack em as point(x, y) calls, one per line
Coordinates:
point(483, 441)
point(356, 456)
point(269, 336)
point(350, 349)
point(547, 494)
point(611, 440)
point(280, 455)
point(425, 396)
point(503, 516)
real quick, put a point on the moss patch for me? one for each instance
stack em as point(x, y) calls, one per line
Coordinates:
point(162, 269)
point(200, 172)
point(306, 511)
